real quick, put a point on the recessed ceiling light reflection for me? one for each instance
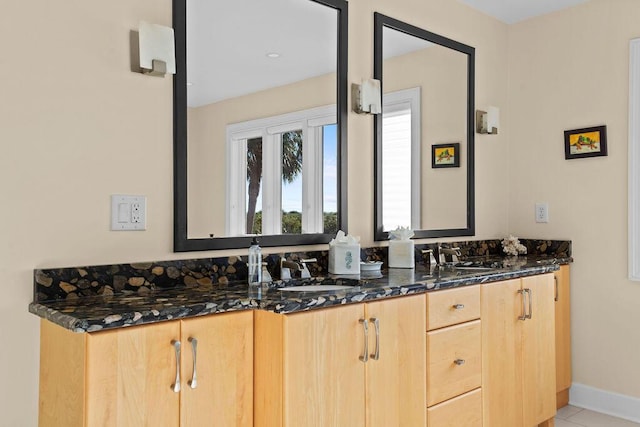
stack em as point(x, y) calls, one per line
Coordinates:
point(273, 55)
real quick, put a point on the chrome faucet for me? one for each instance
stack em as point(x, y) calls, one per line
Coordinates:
point(447, 254)
point(287, 267)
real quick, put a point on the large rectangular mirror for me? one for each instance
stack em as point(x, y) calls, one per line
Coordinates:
point(424, 138)
point(260, 107)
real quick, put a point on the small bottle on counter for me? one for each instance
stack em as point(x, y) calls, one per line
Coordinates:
point(255, 269)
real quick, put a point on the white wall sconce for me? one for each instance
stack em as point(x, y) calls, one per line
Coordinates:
point(156, 45)
point(366, 97)
point(488, 122)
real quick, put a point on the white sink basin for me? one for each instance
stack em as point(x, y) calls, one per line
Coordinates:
point(315, 288)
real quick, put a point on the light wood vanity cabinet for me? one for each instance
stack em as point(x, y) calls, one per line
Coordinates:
point(320, 368)
point(454, 363)
point(563, 335)
point(127, 377)
point(518, 352)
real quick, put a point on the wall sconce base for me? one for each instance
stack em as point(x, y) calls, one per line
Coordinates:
point(487, 122)
point(159, 68)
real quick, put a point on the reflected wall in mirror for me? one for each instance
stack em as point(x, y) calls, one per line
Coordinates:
point(260, 122)
point(428, 99)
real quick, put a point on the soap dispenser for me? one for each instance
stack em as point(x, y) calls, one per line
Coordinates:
point(255, 268)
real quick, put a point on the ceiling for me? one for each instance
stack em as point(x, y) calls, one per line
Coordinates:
point(228, 44)
point(512, 11)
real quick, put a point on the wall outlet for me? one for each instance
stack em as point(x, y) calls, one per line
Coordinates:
point(542, 212)
point(128, 212)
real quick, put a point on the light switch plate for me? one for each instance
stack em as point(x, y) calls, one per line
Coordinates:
point(128, 212)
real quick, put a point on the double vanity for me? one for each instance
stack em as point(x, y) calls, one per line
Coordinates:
point(181, 343)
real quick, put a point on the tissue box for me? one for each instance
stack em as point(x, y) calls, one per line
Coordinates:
point(401, 254)
point(344, 259)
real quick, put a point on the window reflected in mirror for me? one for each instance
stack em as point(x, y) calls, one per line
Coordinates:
point(286, 168)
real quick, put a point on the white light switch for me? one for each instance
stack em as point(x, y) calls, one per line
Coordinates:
point(128, 212)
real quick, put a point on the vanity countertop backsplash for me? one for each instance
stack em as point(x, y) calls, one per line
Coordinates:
point(93, 298)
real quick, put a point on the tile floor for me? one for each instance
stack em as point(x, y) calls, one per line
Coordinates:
point(572, 416)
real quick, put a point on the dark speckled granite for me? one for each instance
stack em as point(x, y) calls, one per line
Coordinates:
point(99, 312)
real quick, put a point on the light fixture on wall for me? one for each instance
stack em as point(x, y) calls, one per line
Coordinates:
point(488, 122)
point(366, 97)
point(156, 46)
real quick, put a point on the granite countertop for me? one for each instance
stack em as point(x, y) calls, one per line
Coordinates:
point(95, 313)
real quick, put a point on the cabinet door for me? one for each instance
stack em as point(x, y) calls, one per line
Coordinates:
point(563, 331)
point(501, 305)
point(323, 374)
point(396, 380)
point(539, 357)
point(129, 374)
point(223, 394)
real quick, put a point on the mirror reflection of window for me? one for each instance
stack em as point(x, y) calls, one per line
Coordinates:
point(254, 186)
point(401, 159)
point(282, 174)
point(330, 178)
point(292, 182)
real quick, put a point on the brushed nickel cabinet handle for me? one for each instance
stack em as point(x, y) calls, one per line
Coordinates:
point(555, 279)
point(530, 292)
point(376, 323)
point(459, 362)
point(458, 306)
point(193, 382)
point(176, 385)
point(524, 310)
point(365, 353)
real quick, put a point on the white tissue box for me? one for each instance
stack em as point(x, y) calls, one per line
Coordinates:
point(401, 254)
point(344, 259)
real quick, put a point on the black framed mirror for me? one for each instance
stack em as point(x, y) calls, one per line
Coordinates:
point(424, 138)
point(260, 122)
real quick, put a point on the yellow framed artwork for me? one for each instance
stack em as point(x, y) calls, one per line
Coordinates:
point(445, 155)
point(587, 142)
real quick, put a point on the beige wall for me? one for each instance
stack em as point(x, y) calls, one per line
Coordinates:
point(569, 70)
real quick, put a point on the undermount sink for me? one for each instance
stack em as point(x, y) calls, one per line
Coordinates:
point(315, 288)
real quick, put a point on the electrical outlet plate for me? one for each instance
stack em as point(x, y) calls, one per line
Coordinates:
point(542, 212)
point(128, 212)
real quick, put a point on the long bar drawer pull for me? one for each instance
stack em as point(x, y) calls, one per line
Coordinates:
point(459, 362)
point(555, 280)
point(193, 382)
point(376, 323)
point(458, 306)
point(530, 292)
point(365, 354)
point(524, 310)
point(176, 385)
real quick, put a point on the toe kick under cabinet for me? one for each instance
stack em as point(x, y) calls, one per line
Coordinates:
point(454, 365)
point(193, 372)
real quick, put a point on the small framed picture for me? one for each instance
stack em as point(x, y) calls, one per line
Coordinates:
point(445, 155)
point(587, 142)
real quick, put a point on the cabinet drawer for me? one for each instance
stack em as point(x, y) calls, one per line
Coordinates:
point(452, 306)
point(465, 410)
point(453, 361)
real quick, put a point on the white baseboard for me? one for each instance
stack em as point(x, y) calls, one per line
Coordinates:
point(606, 402)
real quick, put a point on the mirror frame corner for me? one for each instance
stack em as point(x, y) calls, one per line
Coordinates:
point(181, 240)
point(381, 21)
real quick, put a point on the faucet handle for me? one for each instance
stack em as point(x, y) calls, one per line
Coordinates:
point(432, 256)
point(304, 271)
